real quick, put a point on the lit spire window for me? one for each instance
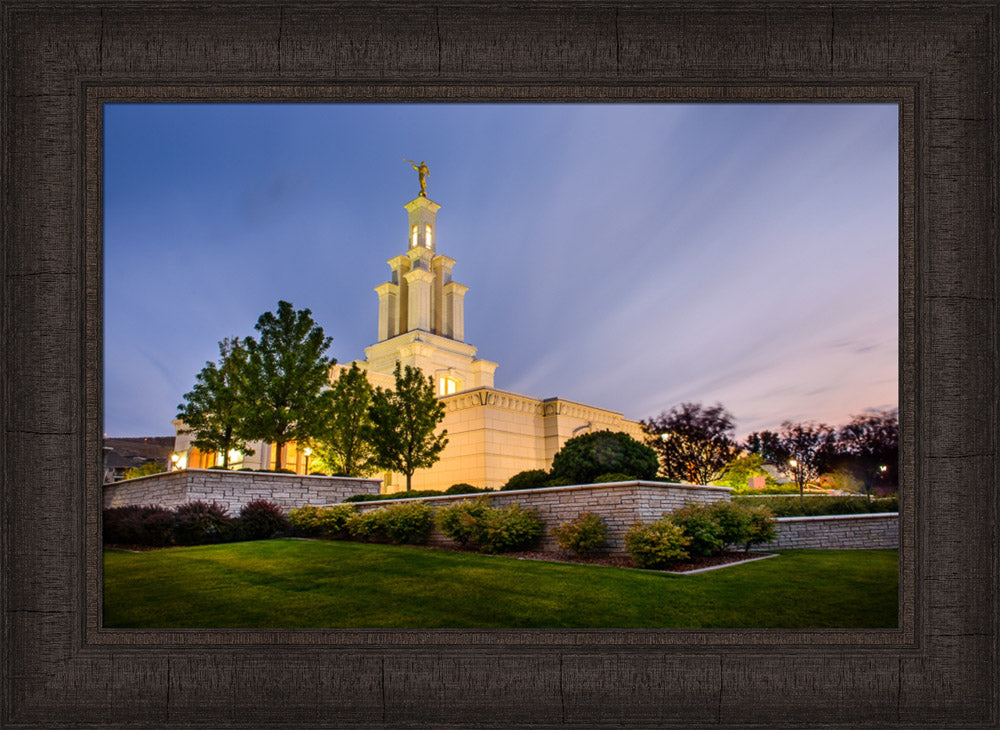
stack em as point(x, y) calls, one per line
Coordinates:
point(413, 237)
point(428, 237)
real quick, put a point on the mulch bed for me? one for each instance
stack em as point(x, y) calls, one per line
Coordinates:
point(620, 561)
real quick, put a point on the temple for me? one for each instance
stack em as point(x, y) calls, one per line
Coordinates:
point(492, 433)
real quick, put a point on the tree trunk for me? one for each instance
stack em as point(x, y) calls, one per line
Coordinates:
point(408, 476)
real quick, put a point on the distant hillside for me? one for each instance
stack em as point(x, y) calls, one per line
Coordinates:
point(142, 447)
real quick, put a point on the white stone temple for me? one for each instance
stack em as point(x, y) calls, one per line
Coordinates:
point(492, 434)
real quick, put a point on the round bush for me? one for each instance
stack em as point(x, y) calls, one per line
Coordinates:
point(509, 528)
point(584, 534)
point(700, 526)
point(656, 544)
point(462, 488)
point(261, 520)
point(199, 523)
point(585, 457)
point(530, 479)
point(461, 521)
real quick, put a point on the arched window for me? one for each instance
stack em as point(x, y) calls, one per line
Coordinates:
point(446, 385)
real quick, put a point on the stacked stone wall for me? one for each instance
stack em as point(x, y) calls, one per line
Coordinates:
point(621, 504)
point(838, 532)
point(233, 489)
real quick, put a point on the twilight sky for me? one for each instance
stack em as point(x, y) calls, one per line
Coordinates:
point(631, 257)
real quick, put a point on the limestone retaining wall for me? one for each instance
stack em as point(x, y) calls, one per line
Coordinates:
point(838, 532)
point(620, 504)
point(233, 489)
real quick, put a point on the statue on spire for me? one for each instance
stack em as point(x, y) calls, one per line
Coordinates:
point(422, 172)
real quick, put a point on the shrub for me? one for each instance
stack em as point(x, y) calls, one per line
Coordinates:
point(489, 529)
point(461, 521)
point(364, 526)
point(328, 522)
point(585, 457)
point(762, 526)
point(463, 489)
point(261, 520)
point(656, 544)
point(510, 528)
point(198, 523)
point(137, 525)
point(742, 524)
point(304, 520)
point(583, 534)
point(559, 482)
point(530, 479)
point(613, 477)
point(700, 525)
point(409, 524)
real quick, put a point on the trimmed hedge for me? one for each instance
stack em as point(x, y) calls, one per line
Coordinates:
point(816, 506)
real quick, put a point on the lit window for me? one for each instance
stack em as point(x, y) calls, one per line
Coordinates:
point(446, 386)
point(413, 237)
point(428, 237)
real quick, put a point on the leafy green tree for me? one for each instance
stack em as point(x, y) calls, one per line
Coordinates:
point(871, 444)
point(739, 470)
point(695, 444)
point(343, 437)
point(801, 451)
point(286, 372)
point(145, 470)
point(404, 420)
point(216, 409)
point(583, 458)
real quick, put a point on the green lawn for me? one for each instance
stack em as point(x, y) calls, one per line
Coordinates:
point(320, 584)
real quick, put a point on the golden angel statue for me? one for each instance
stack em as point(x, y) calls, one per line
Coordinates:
point(423, 172)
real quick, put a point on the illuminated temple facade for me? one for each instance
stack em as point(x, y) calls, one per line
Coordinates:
point(492, 434)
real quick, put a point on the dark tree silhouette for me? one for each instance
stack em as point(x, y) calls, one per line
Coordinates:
point(870, 443)
point(801, 451)
point(694, 444)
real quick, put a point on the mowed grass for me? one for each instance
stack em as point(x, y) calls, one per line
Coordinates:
point(321, 584)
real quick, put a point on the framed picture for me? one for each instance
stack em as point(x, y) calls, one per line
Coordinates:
point(65, 63)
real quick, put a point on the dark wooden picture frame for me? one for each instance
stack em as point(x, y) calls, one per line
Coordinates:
point(62, 61)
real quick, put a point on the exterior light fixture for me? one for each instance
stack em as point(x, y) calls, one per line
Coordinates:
point(793, 463)
point(883, 468)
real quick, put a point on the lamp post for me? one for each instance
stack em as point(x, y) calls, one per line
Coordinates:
point(174, 458)
point(307, 451)
point(798, 476)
